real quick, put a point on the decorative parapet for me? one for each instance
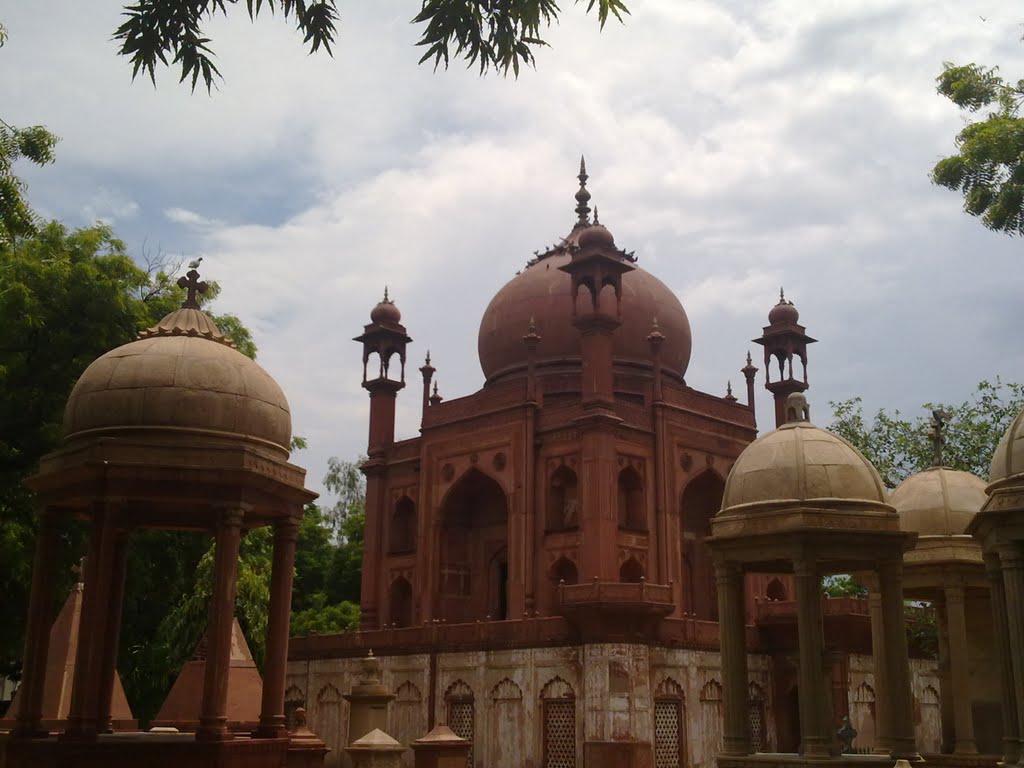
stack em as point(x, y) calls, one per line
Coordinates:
point(610, 610)
point(830, 606)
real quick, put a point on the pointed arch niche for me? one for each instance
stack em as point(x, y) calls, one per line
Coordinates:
point(402, 531)
point(701, 500)
point(474, 550)
point(400, 602)
point(563, 497)
point(632, 512)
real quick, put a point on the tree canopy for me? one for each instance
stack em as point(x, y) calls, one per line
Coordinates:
point(500, 36)
point(34, 144)
point(988, 167)
point(899, 446)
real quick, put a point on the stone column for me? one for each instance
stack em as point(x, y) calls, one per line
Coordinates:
point(1012, 560)
point(1011, 745)
point(815, 725)
point(286, 533)
point(108, 659)
point(96, 614)
point(732, 629)
point(37, 630)
point(213, 711)
point(897, 661)
point(956, 620)
point(883, 743)
point(948, 743)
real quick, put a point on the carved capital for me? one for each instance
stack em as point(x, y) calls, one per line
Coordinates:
point(230, 518)
point(286, 529)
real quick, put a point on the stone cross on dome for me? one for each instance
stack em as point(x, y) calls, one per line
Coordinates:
point(193, 285)
point(935, 434)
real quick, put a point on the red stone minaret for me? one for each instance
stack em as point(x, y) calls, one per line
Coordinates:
point(783, 339)
point(385, 337)
point(597, 264)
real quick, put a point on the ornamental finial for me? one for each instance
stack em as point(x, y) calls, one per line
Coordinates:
point(936, 434)
point(583, 196)
point(191, 283)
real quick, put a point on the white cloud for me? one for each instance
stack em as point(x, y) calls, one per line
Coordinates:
point(735, 146)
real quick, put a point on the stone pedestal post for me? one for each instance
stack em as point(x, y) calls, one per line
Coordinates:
point(37, 631)
point(305, 749)
point(956, 621)
point(376, 750)
point(441, 748)
point(883, 744)
point(815, 725)
point(286, 533)
point(213, 712)
point(368, 701)
point(897, 661)
point(1011, 745)
point(732, 628)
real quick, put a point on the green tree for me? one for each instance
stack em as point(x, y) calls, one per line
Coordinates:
point(988, 167)
point(499, 35)
point(34, 144)
point(346, 481)
point(329, 563)
point(898, 446)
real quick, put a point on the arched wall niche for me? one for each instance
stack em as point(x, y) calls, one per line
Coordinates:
point(631, 508)
point(473, 547)
point(776, 591)
point(400, 602)
point(402, 533)
point(700, 501)
point(631, 571)
point(563, 499)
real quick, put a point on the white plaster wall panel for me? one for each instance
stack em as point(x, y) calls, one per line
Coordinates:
point(505, 719)
point(617, 693)
point(407, 716)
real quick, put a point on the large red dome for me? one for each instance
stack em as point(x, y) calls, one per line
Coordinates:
point(541, 293)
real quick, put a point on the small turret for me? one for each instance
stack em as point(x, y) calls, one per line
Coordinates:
point(783, 339)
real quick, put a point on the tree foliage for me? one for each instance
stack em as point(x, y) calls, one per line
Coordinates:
point(988, 167)
point(487, 33)
point(898, 446)
point(346, 481)
point(34, 144)
point(501, 35)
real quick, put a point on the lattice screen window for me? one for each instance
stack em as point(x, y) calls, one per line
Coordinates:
point(461, 721)
point(559, 733)
point(668, 718)
point(756, 715)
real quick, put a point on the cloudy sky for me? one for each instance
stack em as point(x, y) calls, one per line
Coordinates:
point(735, 145)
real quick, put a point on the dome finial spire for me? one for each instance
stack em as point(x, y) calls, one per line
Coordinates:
point(583, 196)
point(782, 296)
